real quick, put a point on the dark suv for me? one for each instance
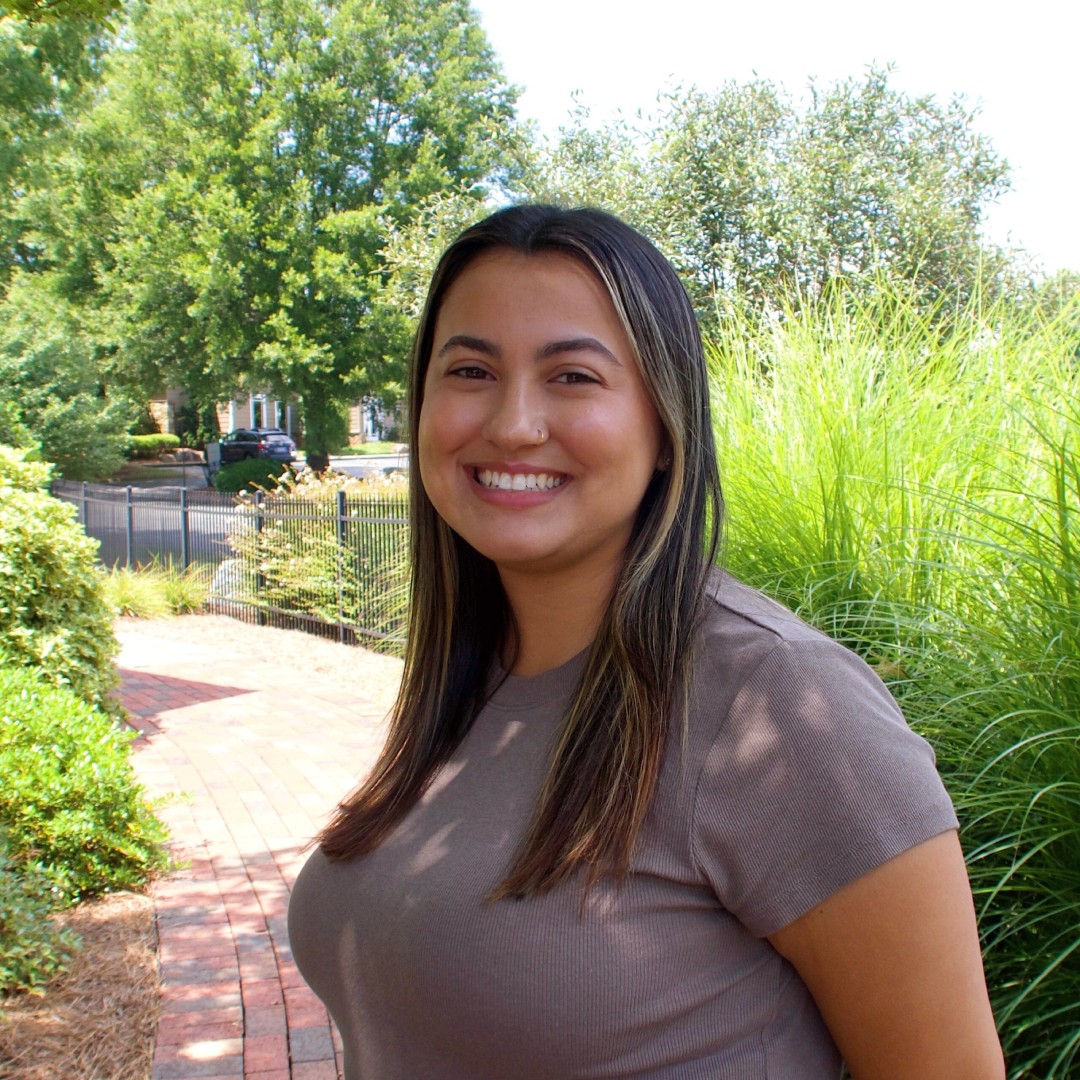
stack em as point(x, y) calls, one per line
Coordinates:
point(257, 442)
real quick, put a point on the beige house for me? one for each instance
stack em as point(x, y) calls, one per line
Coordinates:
point(368, 420)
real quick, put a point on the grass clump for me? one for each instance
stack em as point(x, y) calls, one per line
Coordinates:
point(912, 487)
point(157, 591)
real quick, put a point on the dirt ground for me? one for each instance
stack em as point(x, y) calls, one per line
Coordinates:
point(97, 1021)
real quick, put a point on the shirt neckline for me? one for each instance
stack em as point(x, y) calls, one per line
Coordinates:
point(512, 692)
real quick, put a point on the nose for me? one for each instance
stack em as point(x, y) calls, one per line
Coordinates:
point(516, 418)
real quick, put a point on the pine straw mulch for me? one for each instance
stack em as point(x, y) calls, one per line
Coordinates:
point(96, 1022)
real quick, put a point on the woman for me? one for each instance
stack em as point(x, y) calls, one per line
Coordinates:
point(632, 818)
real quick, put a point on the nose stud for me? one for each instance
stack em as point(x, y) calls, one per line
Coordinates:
point(541, 436)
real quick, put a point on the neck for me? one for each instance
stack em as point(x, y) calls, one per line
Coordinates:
point(556, 616)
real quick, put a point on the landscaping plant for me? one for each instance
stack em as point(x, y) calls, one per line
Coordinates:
point(251, 474)
point(148, 447)
point(53, 614)
point(333, 547)
point(156, 591)
point(69, 800)
point(915, 492)
point(32, 948)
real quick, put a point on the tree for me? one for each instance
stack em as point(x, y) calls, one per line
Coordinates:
point(51, 395)
point(235, 180)
point(881, 181)
point(409, 253)
point(55, 11)
point(761, 202)
point(49, 71)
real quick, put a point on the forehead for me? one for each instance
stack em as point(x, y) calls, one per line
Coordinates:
point(511, 285)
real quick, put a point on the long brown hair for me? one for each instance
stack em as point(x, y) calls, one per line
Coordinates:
point(605, 765)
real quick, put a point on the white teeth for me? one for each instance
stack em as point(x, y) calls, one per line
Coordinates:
point(518, 481)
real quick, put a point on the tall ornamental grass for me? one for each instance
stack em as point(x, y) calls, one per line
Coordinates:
point(912, 487)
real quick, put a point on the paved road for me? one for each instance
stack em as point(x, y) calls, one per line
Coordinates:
point(359, 464)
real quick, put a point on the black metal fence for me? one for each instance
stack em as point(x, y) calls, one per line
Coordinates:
point(335, 566)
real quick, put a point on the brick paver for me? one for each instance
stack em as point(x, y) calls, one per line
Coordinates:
point(250, 759)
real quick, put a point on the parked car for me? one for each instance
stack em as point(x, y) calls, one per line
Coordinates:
point(257, 442)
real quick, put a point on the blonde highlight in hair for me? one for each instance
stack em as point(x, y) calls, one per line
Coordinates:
point(635, 683)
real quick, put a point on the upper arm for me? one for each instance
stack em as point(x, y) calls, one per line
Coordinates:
point(893, 962)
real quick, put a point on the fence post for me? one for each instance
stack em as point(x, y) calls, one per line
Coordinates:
point(341, 565)
point(260, 578)
point(130, 530)
point(185, 535)
point(82, 505)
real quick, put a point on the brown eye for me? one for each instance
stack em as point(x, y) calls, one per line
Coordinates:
point(576, 378)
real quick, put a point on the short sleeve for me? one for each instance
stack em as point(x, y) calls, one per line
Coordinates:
point(813, 779)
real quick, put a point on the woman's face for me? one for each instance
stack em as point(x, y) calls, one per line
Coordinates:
point(537, 437)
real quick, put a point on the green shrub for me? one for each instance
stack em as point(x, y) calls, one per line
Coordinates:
point(143, 447)
point(69, 800)
point(307, 560)
point(53, 613)
point(33, 949)
point(249, 474)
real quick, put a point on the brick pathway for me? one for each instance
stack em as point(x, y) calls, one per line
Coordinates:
point(252, 758)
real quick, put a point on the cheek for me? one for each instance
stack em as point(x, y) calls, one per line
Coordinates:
point(437, 440)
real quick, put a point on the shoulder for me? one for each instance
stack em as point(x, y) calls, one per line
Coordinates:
point(746, 639)
point(811, 774)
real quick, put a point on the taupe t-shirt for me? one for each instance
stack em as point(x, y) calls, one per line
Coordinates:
point(797, 776)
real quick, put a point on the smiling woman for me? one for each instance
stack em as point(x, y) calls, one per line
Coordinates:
point(537, 436)
point(632, 819)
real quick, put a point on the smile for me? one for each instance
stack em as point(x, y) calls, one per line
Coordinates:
point(504, 481)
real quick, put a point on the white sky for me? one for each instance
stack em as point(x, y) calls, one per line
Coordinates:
point(1018, 61)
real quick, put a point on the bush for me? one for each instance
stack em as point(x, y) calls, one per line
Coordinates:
point(53, 613)
point(33, 949)
point(147, 447)
point(250, 474)
point(69, 800)
point(310, 560)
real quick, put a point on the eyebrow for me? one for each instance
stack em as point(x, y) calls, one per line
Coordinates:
point(580, 344)
point(553, 348)
point(467, 341)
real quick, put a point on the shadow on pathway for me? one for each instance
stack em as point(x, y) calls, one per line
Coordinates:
point(251, 757)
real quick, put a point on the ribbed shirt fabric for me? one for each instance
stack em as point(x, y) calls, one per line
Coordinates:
point(797, 775)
